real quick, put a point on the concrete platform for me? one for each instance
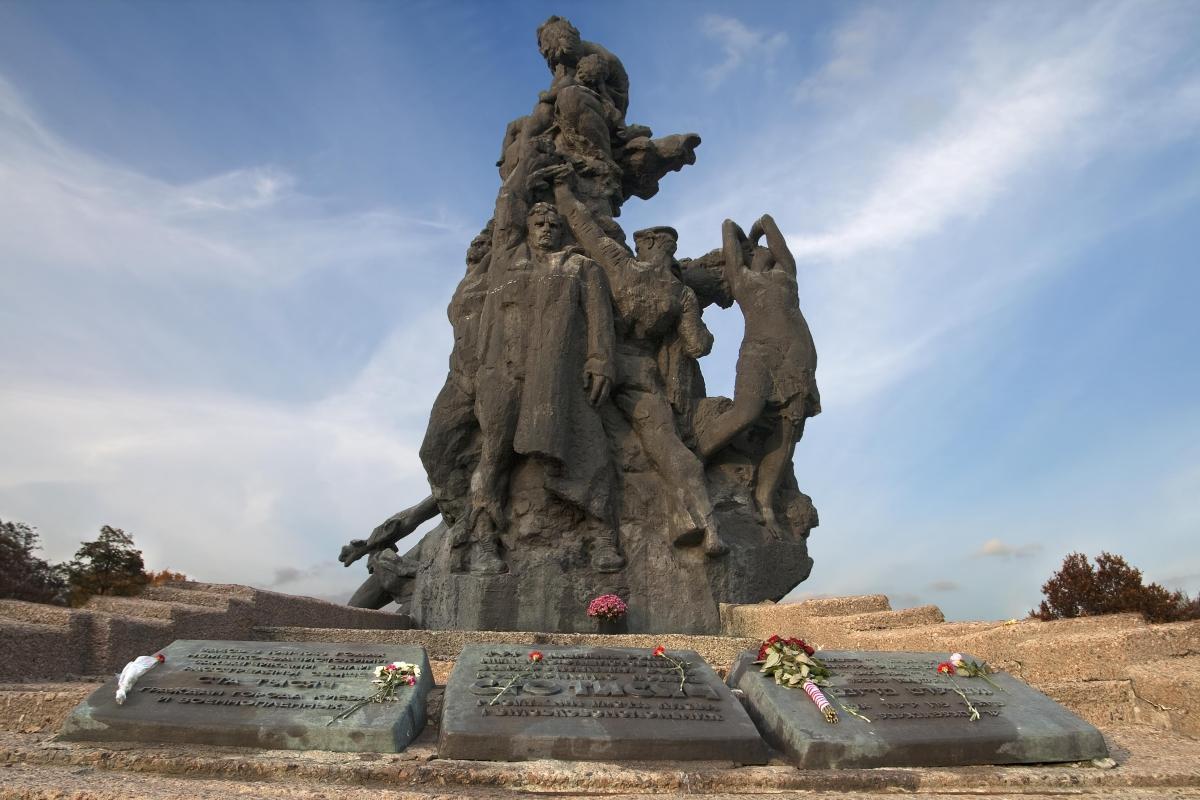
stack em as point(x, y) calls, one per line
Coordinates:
point(1148, 763)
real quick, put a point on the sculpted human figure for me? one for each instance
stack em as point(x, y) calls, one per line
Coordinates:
point(776, 367)
point(653, 307)
point(450, 447)
point(545, 362)
point(560, 44)
point(388, 570)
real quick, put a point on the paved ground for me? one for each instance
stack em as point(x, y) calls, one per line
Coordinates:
point(1147, 763)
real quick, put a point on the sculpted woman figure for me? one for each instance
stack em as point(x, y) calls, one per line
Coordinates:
point(777, 363)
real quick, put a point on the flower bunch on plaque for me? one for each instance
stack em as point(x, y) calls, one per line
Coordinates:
point(390, 678)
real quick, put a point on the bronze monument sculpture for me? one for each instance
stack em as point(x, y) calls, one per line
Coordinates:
point(572, 451)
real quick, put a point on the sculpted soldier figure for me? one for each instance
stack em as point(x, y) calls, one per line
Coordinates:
point(545, 363)
point(652, 307)
point(776, 367)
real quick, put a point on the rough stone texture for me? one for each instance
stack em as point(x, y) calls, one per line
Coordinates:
point(593, 704)
point(718, 651)
point(914, 717)
point(42, 642)
point(1150, 764)
point(1082, 662)
point(33, 708)
point(268, 695)
point(573, 450)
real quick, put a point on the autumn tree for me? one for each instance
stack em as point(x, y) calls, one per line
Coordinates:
point(1111, 587)
point(111, 565)
point(24, 575)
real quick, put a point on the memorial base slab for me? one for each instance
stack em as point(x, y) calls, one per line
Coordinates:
point(593, 704)
point(917, 719)
point(272, 695)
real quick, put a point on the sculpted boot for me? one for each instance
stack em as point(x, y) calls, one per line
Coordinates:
point(605, 557)
point(713, 546)
point(485, 557)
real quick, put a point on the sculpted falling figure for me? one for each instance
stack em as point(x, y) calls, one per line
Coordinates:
point(776, 366)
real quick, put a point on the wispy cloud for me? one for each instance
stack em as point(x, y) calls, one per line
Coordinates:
point(854, 54)
point(130, 303)
point(250, 227)
point(944, 586)
point(738, 44)
point(997, 548)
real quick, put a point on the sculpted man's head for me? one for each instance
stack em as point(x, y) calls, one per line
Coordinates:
point(544, 227)
point(480, 246)
point(656, 245)
point(559, 42)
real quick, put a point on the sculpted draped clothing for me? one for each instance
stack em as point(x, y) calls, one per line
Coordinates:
point(543, 329)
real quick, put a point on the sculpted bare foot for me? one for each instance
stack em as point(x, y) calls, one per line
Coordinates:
point(772, 522)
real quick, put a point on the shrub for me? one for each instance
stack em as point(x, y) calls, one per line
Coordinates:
point(164, 576)
point(1111, 587)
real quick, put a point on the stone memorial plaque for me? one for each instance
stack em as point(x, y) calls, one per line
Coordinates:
point(596, 704)
point(916, 717)
point(274, 695)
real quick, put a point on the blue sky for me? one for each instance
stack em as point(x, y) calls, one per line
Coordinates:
point(229, 231)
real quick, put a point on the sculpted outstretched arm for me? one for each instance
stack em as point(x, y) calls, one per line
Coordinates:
point(732, 238)
point(777, 245)
point(696, 337)
point(392, 530)
point(598, 245)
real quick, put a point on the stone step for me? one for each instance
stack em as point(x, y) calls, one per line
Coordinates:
point(38, 707)
point(1166, 693)
point(718, 651)
point(762, 621)
point(31, 651)
point(38, 613)
point(1152, 764)
point(842, 606)
point(226, 589)
point(150, 608)
point(175, 594)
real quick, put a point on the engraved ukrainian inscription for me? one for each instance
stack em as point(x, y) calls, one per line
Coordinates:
point(265, 694)
point(607, 704)
point(916, 716)
point(893, 683)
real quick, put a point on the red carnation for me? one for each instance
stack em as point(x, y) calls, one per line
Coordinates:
point(535, 655)
point(660, 650)
point(945, 668)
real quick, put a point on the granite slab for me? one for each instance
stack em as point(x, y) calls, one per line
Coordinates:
point(273, 695)
point(916, 717)
point(594, 704)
